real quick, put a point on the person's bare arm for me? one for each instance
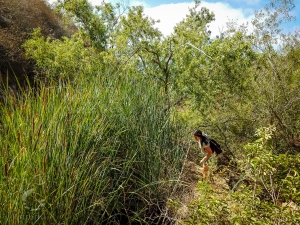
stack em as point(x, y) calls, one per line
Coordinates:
point(208, 155)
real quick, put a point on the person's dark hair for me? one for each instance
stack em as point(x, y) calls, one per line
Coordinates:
point(198, 133)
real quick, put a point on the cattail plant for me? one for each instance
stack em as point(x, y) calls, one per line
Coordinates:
point(91, 151)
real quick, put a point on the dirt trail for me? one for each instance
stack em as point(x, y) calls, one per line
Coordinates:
point(192, 174)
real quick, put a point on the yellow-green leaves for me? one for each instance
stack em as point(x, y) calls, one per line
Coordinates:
point(66, 58)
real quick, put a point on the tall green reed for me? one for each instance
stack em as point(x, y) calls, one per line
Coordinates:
point(89, 152)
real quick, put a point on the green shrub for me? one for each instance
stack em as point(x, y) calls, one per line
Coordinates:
point(270, 194)
point(63, 59)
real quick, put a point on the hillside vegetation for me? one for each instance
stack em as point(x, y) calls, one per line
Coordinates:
point(105, 134)
point(18, 19)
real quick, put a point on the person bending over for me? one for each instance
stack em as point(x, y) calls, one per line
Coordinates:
point(204, 145)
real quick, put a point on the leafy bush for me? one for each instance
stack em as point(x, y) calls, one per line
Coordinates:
point(63, 59)
point(278, 174)
point(270, 195)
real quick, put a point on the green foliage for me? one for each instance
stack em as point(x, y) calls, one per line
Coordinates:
point(66, 58)
point(278, 174)
point(18, 18)
point(141, 46)
point(268, 23)
point(86, 153)
point(95, 22)
point(208, 209)
point(107, 144)
point(271, 195)
point(188, 62)
point(242, 81)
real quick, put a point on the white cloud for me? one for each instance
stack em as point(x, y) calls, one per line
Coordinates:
point(93, 2)
point(249, 2)
point(170, 14)
point(136, 3)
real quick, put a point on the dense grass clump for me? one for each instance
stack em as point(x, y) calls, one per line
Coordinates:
point(94, 152)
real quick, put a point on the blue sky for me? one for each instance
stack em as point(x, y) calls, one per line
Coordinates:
point(170, 12)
